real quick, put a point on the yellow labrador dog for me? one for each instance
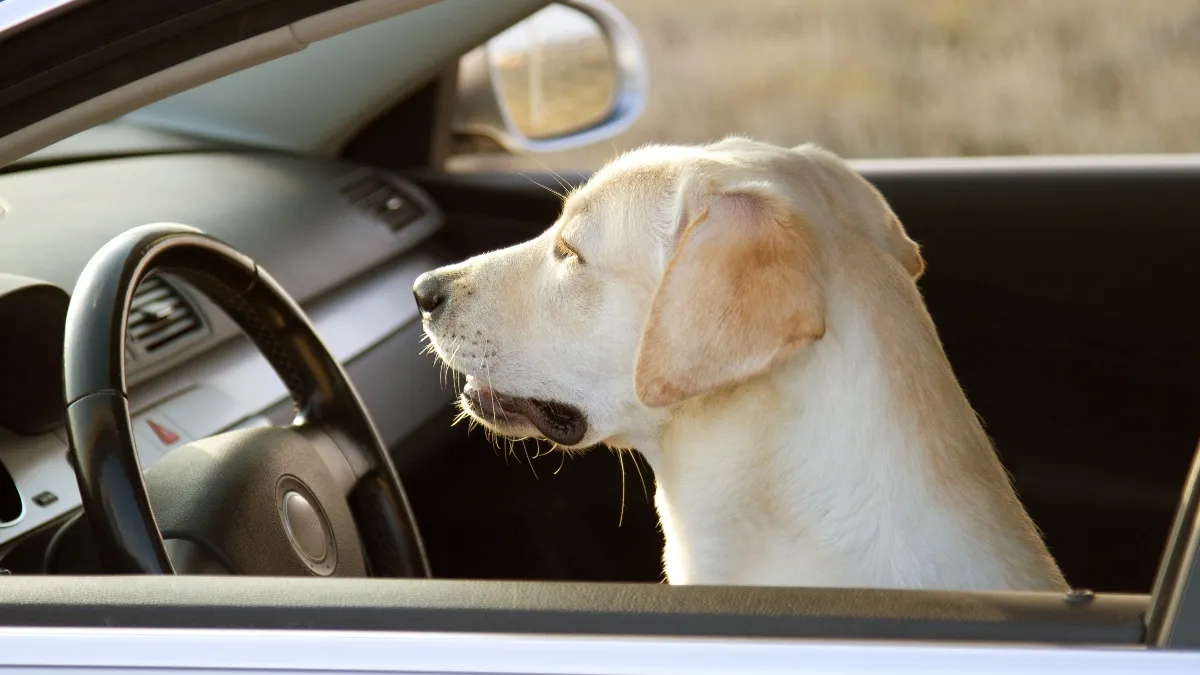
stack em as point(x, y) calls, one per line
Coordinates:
point(746, 316)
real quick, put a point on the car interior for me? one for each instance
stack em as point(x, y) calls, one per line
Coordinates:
point(1063, 290)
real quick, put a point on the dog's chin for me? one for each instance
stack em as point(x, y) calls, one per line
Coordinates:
point(558, 422)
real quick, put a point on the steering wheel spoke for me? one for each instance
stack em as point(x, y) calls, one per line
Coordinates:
point(346, 461)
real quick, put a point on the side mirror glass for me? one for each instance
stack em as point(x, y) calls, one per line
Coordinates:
point(569, 75)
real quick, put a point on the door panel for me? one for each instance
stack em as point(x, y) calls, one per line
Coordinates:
point(537, 608)
point(155, 652)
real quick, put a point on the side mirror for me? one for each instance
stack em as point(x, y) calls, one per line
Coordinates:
point(572, 74)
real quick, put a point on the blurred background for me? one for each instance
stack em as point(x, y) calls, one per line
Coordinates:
point(878, 78)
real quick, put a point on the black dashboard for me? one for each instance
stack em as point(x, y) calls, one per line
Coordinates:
point(346, 241)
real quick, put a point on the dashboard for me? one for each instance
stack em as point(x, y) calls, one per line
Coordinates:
point(346, 241)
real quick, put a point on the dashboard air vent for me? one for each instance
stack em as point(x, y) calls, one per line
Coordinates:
point(383, 200)
point(160, 316)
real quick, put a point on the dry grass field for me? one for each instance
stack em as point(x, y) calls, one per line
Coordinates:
point(907, 78)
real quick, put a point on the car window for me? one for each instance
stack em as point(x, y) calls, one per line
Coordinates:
point(902, 78)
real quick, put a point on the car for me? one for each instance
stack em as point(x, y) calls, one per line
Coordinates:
point(221, 446)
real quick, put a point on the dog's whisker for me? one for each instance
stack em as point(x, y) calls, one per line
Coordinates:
point(487, 373)
point(453, 355)
point(561, 462)
point(443, 370)
point(637, 465)
point(447, 368)
point(499, 448)
point(562, 197)
point(558, 177)
point(463, 415)
point(621, 462)
point(530, 461)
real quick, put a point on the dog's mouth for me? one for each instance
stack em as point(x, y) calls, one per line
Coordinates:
point(559, 422)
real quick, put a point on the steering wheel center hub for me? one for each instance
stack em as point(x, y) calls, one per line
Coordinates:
point(306, 526)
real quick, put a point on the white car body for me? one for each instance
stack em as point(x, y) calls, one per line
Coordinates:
point(194, 98)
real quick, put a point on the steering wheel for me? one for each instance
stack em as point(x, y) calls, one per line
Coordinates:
point(321, 497)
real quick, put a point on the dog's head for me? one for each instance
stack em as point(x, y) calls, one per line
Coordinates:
point(675, 271)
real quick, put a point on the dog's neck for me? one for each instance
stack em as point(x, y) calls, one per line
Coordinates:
point(858, 462)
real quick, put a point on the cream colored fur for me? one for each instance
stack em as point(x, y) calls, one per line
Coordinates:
point(746, 316)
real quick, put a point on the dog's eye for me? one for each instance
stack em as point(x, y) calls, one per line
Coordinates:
point(563, 250)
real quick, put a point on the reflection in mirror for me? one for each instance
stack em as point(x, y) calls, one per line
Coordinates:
point(554, 72)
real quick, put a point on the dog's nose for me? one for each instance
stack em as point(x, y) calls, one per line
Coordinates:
point(429, 293)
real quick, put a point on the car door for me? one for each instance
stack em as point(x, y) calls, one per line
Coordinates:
point(249, 624)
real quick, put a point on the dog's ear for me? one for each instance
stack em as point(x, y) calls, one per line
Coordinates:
point(871, 208)
point(740, 293)
point(902, 247)
point(895, 239)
